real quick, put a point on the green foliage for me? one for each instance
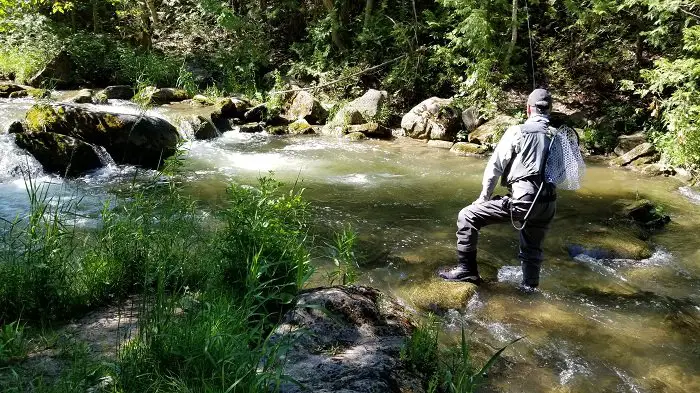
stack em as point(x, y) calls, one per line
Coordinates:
point(421, 353)
point(13, 344)
point(342, 252)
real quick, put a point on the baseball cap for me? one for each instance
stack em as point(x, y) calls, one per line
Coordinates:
point(540, 98)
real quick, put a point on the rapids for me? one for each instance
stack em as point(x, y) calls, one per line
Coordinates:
point(595, 325)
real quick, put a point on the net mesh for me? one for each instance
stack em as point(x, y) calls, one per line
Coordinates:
point(565, 166)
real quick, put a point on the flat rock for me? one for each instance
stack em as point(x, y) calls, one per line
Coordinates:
point(438, 296)
point(602, 242)
point(468, 149)
point(347, 340)
point(643, 150)
point(440, 144)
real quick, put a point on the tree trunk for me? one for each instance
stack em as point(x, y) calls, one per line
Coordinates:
point(369, 7)
point(335, 24)
point(146, 30)
point(514, 32)
point(154, 14)
point(95, 18)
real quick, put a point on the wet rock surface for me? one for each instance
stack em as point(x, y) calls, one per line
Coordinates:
point(118, 92)
point(59, 154)
point(438, 296)
point(129, 139)
point(468, 149)
point(348, 340)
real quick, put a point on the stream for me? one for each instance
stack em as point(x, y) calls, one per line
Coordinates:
point(595, 325)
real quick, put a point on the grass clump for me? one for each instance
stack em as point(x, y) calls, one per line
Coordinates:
point(211, 286)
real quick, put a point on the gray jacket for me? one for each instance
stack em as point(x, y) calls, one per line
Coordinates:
point(518, 159)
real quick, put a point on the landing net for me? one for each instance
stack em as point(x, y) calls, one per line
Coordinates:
point(565, 166)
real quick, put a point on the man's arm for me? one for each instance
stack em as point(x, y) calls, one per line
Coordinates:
point(504, 152)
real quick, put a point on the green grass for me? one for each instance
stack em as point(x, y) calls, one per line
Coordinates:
point(211, 286)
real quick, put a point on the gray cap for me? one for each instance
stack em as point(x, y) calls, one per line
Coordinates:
point(540, 98)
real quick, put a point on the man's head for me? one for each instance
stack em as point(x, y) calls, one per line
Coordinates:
point(539, 102)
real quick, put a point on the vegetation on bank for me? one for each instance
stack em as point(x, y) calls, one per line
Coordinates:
point(210, 288)
point(631, 66)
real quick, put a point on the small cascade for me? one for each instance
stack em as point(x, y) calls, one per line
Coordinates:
point(15, 163)
point(104, 156)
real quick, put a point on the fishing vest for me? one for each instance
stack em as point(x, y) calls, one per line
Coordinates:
point(532, 155)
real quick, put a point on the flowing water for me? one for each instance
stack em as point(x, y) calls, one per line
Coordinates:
point(595, 325)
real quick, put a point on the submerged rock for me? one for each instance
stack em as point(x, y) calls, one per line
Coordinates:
point(355, 136)
point(129, 139)
point(608, 243)
point(439, 296)
point(60, 154)
point(441, 144)
point(468, 149)
point(346, 340)
point(434, 118)
point(642, 212)
point(490, 132)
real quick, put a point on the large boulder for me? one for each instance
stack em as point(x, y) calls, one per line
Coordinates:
point(368, 111)
point(60, 154)
point(255, 114)
point(57, 73)
point(434, 118)
point(625, 143)
point(129, 139)
point(303, 105)
point(468, 149)
point(119, 92)
point(346, 340)
point(300, 127)
point(644, 150)
point(491, 132)
point(471, 119)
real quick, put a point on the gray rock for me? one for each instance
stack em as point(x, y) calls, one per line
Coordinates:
point(657, 169)
point(683, 175)
point(119, 92)
point(129, 139)
point(490, 133)
point(256, 114)
point(434, 118)
point(201, 128)
point(363, 110)
point(643, 150)
point(468, 149)
point(60, 154)
point(626, 143)
point(200, 99)
point(471, 119)
point(346, 339)
point(303, 105)
point(84, 96)
point(440, 144)
point(642, 212)
point(251, 128)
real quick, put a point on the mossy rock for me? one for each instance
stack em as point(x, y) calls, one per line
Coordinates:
point(157, 96)
point(6, 89)
point(468, 149)
point(300, 127)
point(60, 154)
point(277, 130)
point(129, 139)
point(355, 137)
point(439, 296)
point(202, 100)
point(607, 243)
point(226, 110)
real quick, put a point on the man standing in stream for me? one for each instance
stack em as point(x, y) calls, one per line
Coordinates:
point(519, 160)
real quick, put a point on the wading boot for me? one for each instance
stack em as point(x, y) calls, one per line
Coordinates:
point(466, 269)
